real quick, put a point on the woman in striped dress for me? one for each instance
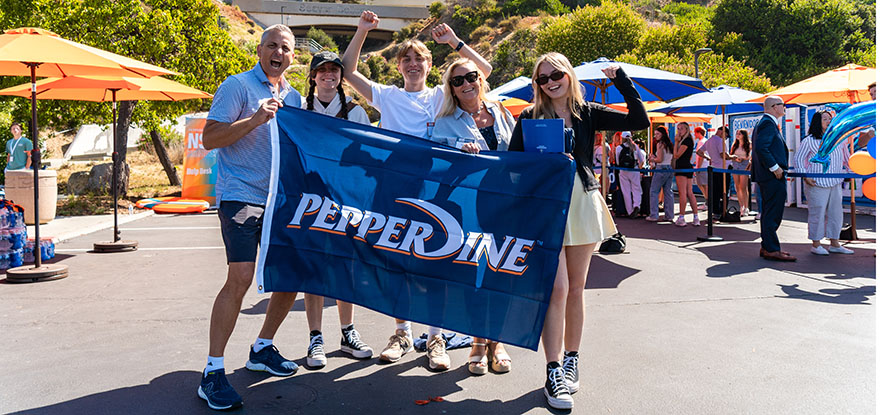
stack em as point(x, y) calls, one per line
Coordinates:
point(824, 195)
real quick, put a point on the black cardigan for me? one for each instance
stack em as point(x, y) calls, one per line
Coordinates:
point(595, 117)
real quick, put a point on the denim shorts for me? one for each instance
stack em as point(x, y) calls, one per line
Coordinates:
point(241, 229)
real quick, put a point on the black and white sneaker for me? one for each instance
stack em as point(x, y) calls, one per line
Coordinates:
point(351, 344)
point(570, 370)
point(316, 355)
point(555, 388)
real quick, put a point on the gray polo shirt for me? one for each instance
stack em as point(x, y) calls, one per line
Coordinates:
point(244, 168)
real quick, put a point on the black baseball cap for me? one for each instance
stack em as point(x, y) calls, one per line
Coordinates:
point(323, 57)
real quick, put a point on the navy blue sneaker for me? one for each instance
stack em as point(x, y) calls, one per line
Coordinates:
point(269, 360)
point(217, 392)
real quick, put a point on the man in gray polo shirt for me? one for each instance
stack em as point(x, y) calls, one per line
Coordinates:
point(239, 126)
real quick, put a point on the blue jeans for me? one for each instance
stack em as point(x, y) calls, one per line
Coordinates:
point(662, 181)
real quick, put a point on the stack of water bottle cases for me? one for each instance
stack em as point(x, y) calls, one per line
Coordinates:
point(15, 248)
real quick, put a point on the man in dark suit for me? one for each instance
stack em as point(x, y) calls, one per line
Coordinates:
point(770, 163)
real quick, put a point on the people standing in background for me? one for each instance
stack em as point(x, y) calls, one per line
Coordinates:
point(769, 161)
point(701, 162)
point(740, 154)
point(714, 151)
point(683, 154)
point(630, 155)
point(18, 149)
point(824, 195)
point(662, 181)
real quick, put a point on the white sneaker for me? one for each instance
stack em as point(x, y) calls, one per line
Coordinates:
point(651, 219)
point(438, 359)
point(316, 355)
point(819, 250)
point(841, 250)
point(680, 222)
point(695, 221)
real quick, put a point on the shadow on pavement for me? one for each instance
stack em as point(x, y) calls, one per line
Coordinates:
point(607, 274)
point(262, 306)
point(859, 295)
point(307, 392)
point(743, 258)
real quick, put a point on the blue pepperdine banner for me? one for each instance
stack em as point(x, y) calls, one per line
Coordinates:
point(412, 229)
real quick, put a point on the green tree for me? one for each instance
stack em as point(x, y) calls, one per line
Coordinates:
point(680, 40)
point(532, 7)
point(515, 57)
point(322, 38)
point(714, 69)
point(181, 35)
point(685, 14)
point(592, 32)
point(792, 40)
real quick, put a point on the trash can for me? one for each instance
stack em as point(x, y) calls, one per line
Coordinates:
point(20, 189)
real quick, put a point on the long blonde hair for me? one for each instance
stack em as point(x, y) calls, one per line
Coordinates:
point(543, 107)
point(449, 100)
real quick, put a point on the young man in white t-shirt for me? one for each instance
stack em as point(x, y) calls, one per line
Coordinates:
point(409, 110)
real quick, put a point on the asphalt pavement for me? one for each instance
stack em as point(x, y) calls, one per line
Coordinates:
point(673, 326)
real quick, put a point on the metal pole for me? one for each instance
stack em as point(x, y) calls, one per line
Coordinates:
point(114, 158)
point(697, 53)
point(710, 237)
point(725, 190)
point(35, 165)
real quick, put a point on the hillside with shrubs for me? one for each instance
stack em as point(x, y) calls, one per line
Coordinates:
point(757, 45)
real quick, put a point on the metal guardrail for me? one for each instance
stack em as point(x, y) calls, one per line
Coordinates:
point(306, 43)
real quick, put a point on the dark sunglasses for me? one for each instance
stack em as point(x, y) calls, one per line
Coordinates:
point(556, 76)
point(459, 80)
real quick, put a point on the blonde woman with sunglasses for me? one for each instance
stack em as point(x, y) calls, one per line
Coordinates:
point(471, 123)
point(558, 94)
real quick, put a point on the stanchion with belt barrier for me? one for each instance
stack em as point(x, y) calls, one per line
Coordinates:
point(710, 237)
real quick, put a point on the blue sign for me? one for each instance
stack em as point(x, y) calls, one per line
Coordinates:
point(414, 229)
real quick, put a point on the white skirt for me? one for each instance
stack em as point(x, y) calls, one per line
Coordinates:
point(588, 220)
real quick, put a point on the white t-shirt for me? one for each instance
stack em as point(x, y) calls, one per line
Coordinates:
point(407, 112)
point(598, 158)
point(700, 161)
point(357, 114)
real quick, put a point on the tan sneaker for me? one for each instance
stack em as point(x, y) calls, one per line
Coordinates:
point(437, 357)
point(398, 345)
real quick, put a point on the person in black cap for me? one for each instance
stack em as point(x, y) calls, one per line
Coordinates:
point(327, 96)
point(325, 92)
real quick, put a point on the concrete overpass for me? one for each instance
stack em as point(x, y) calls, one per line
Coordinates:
point(335, 18)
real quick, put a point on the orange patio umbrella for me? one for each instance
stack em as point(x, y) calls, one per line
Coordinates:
point(662, 118)
point(845, 84)
point(108, 89)
point(515, 105)
point(113, 89)
point(36, 52)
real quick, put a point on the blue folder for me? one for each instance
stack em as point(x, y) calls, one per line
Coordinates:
point(543, 136)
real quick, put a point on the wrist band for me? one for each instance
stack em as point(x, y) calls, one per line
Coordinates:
point(460, 45)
